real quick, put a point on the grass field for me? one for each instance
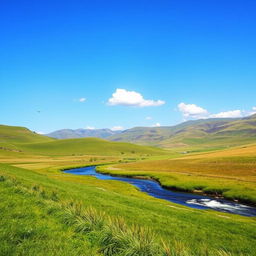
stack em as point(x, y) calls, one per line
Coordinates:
point(192, 231)
point(91, 146)
point(230, 173)
point(47, 212)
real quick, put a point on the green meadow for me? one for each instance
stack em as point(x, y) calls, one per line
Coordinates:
point(47, 212)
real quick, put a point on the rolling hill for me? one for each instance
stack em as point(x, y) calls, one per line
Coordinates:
point(205, 133)
point(20, 139)
point(12, 136)
point(89, 146)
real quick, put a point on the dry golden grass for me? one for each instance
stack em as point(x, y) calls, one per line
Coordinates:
point(238, 163)
point(231, 173)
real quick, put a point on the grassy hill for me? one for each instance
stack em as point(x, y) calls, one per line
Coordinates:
point(20, 139)
point(90, 146)
point(204, 134)
point(12, 136)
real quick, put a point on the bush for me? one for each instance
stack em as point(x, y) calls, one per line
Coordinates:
point(2, 178)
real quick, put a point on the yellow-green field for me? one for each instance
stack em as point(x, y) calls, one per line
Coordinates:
point(230, 173)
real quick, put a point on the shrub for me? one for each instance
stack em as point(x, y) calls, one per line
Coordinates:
point(2, 178)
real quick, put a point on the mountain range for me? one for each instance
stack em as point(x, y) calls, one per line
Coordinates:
point(203, 133)
point(82, 133)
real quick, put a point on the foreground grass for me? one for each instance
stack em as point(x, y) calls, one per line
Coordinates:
point(184, 231)
point(111, 236)
point(26, 228)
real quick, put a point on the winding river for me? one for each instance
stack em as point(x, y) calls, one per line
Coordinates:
point(154, 189)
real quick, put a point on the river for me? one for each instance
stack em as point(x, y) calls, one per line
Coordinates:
point(154, 189)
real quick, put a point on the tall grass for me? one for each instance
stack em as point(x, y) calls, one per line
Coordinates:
point(119, 239)
point(83, 220)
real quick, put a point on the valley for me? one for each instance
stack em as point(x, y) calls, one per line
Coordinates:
point(31, 171)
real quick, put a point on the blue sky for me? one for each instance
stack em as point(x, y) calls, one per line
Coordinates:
point(136, 63)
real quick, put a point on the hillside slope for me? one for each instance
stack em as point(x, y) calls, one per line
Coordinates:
point(20, 139)
point(89, 146)
point(12, 136)
point(205, 133)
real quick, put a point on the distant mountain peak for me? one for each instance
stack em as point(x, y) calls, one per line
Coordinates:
point(211, 133)
point(82, 133)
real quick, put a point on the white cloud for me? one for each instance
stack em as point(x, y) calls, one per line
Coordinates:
point(148, 118)
point(117, 128)
point(196, 112)
point(90, 128)
point(82, 99)
point(157, 125)
point(41, 133)
point(228, 114)
point(192, 110)
point(252, 112)
point(132, 98)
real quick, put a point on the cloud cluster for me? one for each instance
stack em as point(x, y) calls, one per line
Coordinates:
point(117, 128)
point(252, 112)
point(192, 110)
point(124, 97)
point(227, 114)
point(90, 127)
point(41, 133)
point(195, 112)
point(132, 98)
